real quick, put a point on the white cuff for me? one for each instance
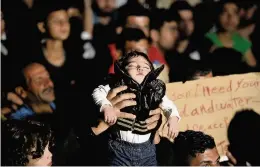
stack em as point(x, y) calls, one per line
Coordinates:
point(85, 35)
point(105, 102)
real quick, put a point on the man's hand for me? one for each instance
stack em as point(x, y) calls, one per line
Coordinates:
point(153, 120)
point(15, 98)
point(121, 101)
point(125, 100)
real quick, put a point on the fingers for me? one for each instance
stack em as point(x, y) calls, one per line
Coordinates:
point(152, 125)
point(115, 91)
point(231, 158)
point(126, 115)
point(21, 92)
point(14, 106)
point(14, 98)
point(153, 118)
point(172, 134)
point(156, 111)
point(5, 110)
point(122, 97)
point(110, 120)
point(125, 103)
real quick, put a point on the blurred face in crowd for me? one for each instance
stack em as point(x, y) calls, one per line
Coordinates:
point(229, 18)
point(106, 5)
point(2, 24)
point(140, 22)
point(202, 75)
point(138, 68)
point(168, 35)
point(209, 158)
point(44, 160)
point(58, 25)
point(141, 45)
point(39, 83)
point(186, 23)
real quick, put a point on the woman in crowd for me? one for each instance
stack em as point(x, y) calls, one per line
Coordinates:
point(227, 35)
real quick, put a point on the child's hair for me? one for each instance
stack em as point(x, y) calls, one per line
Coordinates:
point(124, 60)
point(21, 137)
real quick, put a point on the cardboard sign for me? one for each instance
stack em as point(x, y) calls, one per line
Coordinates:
point(208, 105)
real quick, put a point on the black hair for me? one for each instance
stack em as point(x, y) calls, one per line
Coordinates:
point(159, 17)
point(244, 137)
point(131, 9)
point(44, 8)
point(124, 60)
point(181, 5)
point(129, 34)
point(20, 137)
point(201, 67)
point(188, 144)
point(99, 12)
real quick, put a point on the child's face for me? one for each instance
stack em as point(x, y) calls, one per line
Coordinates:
point(138, 68)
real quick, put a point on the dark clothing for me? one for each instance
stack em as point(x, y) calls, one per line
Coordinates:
point(164, 153)
point(61, 76)
point(178, 65)
point(149, 95)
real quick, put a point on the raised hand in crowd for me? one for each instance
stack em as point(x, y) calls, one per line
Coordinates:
point(14, 100)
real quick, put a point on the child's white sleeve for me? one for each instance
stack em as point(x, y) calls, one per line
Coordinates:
point(169, 108)
point(100, 96)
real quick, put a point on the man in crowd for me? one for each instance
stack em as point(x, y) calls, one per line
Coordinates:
point(194, 148)
point(186, 45)
point(39, 90)
point(164, 35)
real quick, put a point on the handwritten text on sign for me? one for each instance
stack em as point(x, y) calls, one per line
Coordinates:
point(209, 105)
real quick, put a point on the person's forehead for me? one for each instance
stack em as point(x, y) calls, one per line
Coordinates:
point(230, 6)
point(208, 155)
point(36, 71)
point(57, 14)
point(172, 23)
point(141, 42)
point(185, 13)
point(141, 45)
point(138, 19)
point(140, 59)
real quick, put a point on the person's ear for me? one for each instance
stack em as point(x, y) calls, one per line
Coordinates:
point(154, 36)
point(41, 27)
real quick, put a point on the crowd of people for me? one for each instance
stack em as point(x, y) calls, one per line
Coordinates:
point(83, 81)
